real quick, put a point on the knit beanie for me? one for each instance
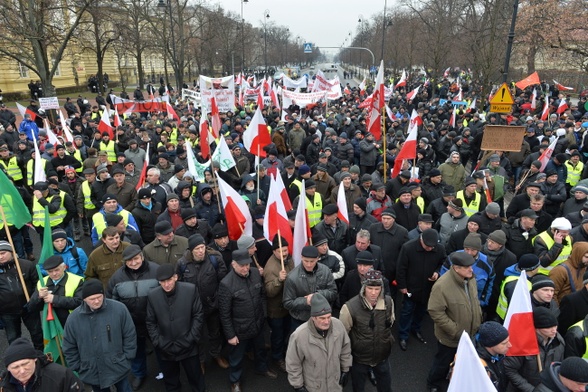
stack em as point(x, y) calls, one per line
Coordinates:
point(245, 242)
point(473, 241)
point(195, 240)
point(540, 281)
point(498, 236)
point(491, 333)
point(92, 287)
point(20, 349)
point(319, 305)
point(57, 234)
point(276, 242)
point(113, 219)
point(575, 369)
point(543, 318)
point(528, 262)
point(361, 203)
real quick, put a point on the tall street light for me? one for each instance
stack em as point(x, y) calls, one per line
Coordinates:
point(383, 29)
point(266, 16)
point(360, 21)
point(243, 38)
point(163, 4)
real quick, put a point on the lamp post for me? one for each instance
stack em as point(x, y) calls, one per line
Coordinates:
point(383, 30)
point(286, 46)
point(266, 16)
point(168, 7)
point(243, 38)
point(360, 21)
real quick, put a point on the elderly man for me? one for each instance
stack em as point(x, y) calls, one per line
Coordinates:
point(166, 248)
point(124, 192)
point(319, 351)
point(306, 279)
point(242, 298)
point(362, 243)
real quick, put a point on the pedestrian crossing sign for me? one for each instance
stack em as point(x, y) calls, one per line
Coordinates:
point(308, 47)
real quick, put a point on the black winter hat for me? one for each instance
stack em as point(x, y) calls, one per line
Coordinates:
point(541, 281)
point(276, 242)
point(92, 287)
point(52, 262)
point(20, 349)
point(543, 318)
point(575, 369)
point(113, 219)
point(361, 203)
point(492, 333)
point(195, 240)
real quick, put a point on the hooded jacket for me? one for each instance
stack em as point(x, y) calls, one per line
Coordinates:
point(75, 266)
point(571, 268)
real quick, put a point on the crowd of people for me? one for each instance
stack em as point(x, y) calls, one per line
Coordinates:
point(162, 271)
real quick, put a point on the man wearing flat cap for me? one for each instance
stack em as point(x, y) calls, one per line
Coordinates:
point(174, 322)
point(27, 366)
point(306, 279)
point(61, 288)
point(166, 248)
point(378, 201)
point(319, 351)
point(99, 340)
point(242, 307)
point(333, 228)
point(130, 285)
point(454, 307)
point(125, 193)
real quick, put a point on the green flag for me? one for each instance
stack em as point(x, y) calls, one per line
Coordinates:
point(17, 213)
point(52, 328)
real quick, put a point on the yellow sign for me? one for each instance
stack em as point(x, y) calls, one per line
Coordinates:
point(502, 96)
point(500, 108)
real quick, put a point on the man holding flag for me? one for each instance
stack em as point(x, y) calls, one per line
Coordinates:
point(492, 344)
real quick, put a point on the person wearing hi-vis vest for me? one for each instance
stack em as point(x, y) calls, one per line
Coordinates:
point(43, 197)
point(528, 263)
point(12, 164)
point(85, 205)
point(109, 206)
point(472, 199)
point(314, 203)
point(109, 146)
point(553, 246)
point(62, 289)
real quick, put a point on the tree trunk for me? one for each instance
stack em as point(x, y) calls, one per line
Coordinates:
point(531, 59)
point(140, 73)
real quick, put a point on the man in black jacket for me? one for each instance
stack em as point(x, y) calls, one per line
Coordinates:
point(174, 322)
point(242, 304)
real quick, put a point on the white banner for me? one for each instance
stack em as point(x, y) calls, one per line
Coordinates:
point(193, 96)
point(223, 90)
point(301, 98)
point(300, 83)
point(49, 103)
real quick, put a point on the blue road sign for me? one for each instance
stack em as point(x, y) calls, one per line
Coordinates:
point(307, 47)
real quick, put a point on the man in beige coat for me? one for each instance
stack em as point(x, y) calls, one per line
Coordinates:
point(454, 308)
point(319, 353)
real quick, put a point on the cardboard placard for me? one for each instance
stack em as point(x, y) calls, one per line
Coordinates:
point(503, 137)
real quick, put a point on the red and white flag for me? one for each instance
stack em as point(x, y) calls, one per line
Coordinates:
point(260, 97)
point(519, 321)
point(362, 87)
point(144, 169)
point(204, 144)
point(274, 96)
point(446, 73)
point(342, 213)
point(216, 121)
point(257, 136)
point(561, 87)
point(241, 97)
point(276, 217)
point(23, 110)
point(546, 156)
point(545, 112)
point(453, 119)
point(468, 369)
point(281, 188)
point(413, 93)
point(374, 123)
point(301, 227)
point(563, 106)
point(39, 169)
point(171, 113)
point(104, 124)
point(534, 99)
point(238, 217)
point(408, 150)
point(390, 114)
point(117, 123)
point(472, 105)
point(402, 81)
point(51, 136)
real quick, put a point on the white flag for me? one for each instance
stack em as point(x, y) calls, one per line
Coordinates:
point(342, 214)
point(468, 372)
point(223, 155)
point(194, 167)
point(39, 171)
point(300, 228)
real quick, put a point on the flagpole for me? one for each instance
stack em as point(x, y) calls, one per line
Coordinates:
point(14, 255)
point(539, 365)
point(521, 182)
point(50, 312)
point(216, 185)
point(384, 140)
point(281, 254)
point(257, 170)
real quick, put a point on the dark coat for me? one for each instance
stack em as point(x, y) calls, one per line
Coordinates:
point(487, 225)
point(457, 238)
point(174, 321)
point(48, 377)
point(352, 287)
point(242, 305)
point(146, 220)
point(515, 241)
point(573, 308)
point(390, 241)
point(350, 253)
point(407, 217)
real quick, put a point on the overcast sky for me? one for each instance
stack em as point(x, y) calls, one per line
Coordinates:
point(323, 22)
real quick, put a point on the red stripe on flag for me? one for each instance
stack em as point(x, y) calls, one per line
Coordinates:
point(235, 219)
point(521, 332)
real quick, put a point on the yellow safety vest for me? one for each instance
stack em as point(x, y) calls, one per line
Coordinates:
point(314, 209)
point(173, 136)
point(12, 168)
point(72, 283)
point(77, 154)
point(31, 170)
point(109, 150)
point(100, 223)
point(297, 183)
point(574, 173)
point(563, 255)
point(502, 306)
point(473, 207)
point(580, 324)
point(87, 192)
point(420, 202)
point(54, 219)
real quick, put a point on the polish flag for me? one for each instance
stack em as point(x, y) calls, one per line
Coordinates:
point(342, 213)
point(204, 144)
point(468, 369)
point(171, 113)
point(563, 106)
point(452, 120)
point(561, 87)
point(215, 114)
point(545, 112)
point(23, 110)
point(260, 98)
point(528, 81)
point(274, 97)
point(408, 150)
point(143, 174)
point(534, 99)
point(446, 73)
point(241, 98)
point(51, 136)
point(276, 218)
point(301, 227)
point(367, 102)
point(104, 124)
point(390, 114)
point(362, 87)
point(546, 156)
point(402, 81)
point(238, 79)
point(257, 136)
point(238, 217)
point(413, 93)
point(346, 90)
point(117, 122)
point(281, 189)
point(65, 128)
point(472, 105)
point(459, 96)
point(519, 321)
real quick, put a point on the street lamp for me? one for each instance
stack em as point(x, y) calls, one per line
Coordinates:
point(360, 21)
point(163, 4)
point(266, 16)
point(383, 30)
point(286, 46)
point(243, 38)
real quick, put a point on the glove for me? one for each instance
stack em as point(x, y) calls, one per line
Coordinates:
point(301, 389)
point(344, 378)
